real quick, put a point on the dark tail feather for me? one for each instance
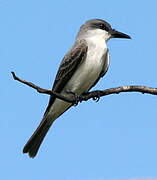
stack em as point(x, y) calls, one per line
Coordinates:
point(33, 144)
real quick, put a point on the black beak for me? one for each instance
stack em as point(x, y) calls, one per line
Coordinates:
point(117, 34)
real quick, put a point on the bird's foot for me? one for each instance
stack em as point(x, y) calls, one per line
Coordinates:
point(97, 95)
point(77, 98)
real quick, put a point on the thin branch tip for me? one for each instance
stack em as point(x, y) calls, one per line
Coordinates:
point(13, 74)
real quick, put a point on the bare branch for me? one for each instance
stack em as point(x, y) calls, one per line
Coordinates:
point(94, 94)
point(42, 90)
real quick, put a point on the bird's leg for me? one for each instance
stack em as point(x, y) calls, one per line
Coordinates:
point(83, 96)
point(77, 98)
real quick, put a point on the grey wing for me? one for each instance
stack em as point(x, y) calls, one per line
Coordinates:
point(67, 67)
point(104, 68)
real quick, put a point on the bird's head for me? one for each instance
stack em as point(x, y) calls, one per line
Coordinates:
point(102, 28)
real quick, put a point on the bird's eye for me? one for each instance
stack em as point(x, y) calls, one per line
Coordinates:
point(102, 26)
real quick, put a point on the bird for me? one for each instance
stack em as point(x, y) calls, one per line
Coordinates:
point(81, 68)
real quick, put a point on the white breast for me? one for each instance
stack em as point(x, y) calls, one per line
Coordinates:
point(90, 69)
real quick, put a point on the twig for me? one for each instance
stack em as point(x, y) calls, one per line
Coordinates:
point(42, 90)
point(94, 94)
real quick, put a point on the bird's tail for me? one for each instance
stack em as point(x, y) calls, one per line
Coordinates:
point(33, 144)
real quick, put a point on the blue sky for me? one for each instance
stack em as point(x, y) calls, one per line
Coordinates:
point(114, 138)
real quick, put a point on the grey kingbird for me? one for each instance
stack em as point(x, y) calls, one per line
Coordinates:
point(81, 68)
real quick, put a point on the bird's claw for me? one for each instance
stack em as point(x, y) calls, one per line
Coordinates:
point(96, 96)
point(77, 98)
